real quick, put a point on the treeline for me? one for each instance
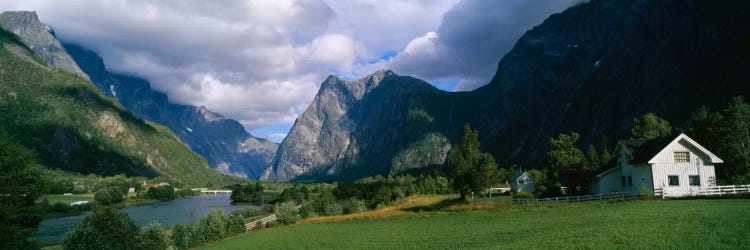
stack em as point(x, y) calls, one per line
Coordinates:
point(109, 228)
point(248, 193)
point(381, 190)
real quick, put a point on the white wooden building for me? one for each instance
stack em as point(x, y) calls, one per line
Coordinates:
point(522, 182)
point(680, 165)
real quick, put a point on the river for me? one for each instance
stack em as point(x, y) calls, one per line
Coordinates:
point(167, 213)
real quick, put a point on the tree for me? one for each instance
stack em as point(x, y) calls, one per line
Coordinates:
point(568, 165)
point(108, 196)
point(21, 187)
point(287, 212)
point(151, 237)
point(471, 170)
point(735, 137)
point(106, 228)
point(650, 126)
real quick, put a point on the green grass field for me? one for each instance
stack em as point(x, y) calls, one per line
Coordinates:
point(67, 199)
point(691, 224)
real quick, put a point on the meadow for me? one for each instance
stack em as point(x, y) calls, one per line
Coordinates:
point(694, 224)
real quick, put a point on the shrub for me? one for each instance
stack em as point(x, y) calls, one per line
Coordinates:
point(286, 212)
point(214, 225)
point(106, 228)
point(354, 206)
point(108, 196)
point(151, 237)
point(163, 193)
point(646, 193)
point(246, 213)
point(523, 195)
point(236, 225)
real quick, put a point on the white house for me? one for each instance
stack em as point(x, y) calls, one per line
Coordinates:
point(522, 182)
point(679, 165)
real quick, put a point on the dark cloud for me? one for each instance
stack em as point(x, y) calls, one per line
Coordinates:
point(472, 38)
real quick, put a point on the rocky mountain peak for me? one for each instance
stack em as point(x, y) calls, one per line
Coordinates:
point(40, 39)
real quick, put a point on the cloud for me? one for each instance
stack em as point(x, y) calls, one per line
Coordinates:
point(261, 62)
point(471, 39)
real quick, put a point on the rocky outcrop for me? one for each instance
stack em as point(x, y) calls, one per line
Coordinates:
point(225, 143)
point(40, 39)
point(323, 133)
point(590, 69)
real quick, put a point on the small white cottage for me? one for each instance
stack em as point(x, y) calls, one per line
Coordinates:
point(679, 165)
point(522, 182)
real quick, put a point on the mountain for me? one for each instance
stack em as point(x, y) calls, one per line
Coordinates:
point(72, 126)
point(225, 143)
point(40, 39)
point(590, 69)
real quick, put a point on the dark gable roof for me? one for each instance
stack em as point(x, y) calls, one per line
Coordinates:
point(644, 150)
point(516, 176)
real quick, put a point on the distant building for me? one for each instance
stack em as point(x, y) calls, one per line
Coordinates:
point(522, 182)
point(680, 165)
point(131, 189)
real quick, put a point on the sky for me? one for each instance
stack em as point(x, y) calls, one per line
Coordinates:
point(261, 62)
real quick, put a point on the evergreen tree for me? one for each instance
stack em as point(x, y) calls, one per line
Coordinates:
point(18, 214)
point(734, 134)
point(650, 126)
point(471, 170)
point(568, 165)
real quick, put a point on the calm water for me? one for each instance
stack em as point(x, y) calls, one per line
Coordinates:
point(167, 213)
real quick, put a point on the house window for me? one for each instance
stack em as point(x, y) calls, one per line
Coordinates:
point(682, 156)
point(623, 181)
point(695, 180)
point(630, 181)
point(674, 180)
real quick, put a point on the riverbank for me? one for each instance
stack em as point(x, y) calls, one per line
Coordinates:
point(55, 210)
point(168, 213)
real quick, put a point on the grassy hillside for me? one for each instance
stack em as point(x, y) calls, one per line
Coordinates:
point(693, 224)
point(73, 127)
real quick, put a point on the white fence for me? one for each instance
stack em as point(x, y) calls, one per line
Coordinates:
point(584, 198)
point(701, 191)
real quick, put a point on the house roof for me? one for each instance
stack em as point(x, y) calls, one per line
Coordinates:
point(644, 151)
point(682, 137)
point(518, 175)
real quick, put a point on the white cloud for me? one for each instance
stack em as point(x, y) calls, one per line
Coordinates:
point(261, 62)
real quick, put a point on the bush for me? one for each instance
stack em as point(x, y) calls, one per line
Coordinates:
point(246, 213)
point(523, 195)
point(108, 196)
point(163, 193)
point(646, 193)
point(354, 206)
point(236, 225)
point(286, 212)
point(151, 237)
point(106, 228)
point(214, 225)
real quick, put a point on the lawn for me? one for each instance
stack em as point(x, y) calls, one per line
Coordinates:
point(694, 224)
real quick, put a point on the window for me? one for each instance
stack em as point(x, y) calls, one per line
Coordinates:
point(682, 156)
point(674, 180)
point(695, 180)
point(623, 181)
point(630, 181)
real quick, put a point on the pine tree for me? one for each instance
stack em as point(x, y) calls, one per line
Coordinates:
point(650, 126)
point(471, 170)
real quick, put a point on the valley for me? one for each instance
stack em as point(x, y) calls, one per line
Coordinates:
point(398, 125)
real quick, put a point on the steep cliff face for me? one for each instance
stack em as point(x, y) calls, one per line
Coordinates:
point(224, 143)
point(39, 38)
point(322, 134)
point(590, 69)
